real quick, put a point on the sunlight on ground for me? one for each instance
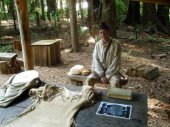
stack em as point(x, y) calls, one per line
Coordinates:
point(157, 111)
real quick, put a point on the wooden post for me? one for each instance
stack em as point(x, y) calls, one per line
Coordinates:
point(23, 22)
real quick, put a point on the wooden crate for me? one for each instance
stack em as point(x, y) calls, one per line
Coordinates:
point(46, 52)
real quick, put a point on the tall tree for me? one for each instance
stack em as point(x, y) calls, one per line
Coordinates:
point(49, 9)
point(73, 26)
point(94, 9)
point(150, 20)
point(102, 11)
point(61, 8)
point(133, 15)
point(57, 14)
point(81, 11)
point(163, 14)
point(37, 6)
point(108, 14)
point(42, 10)
point(12, 13)
point(54, 7)
point(23, 22)
point(3, 8)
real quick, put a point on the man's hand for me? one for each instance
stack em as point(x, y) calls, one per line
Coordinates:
point(104, 80)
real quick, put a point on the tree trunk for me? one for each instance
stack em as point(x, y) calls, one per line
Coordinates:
point(108, 15)
point(49, 9)
point(12, 12)
point(42, 10)
point(23, 22)
point(81, 11)
point(37, 5)
point(93, 16)
point(163, 14)
point(104, 11)
point(73, 26)
point(133, 15)
point(57, 12)
point(150, 20)
point(54, 6)
point(3, 8)
point(61, 7)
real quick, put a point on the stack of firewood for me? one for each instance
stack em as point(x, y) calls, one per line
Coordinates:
point(9, 67)
point(147, 72)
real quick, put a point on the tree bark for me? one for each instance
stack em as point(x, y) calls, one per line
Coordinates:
point(163, 14)
point(81, 11)
point(42, 10)
point(73, 26)
point(3, 8)
point(108, 15)
point(133, 15)
point(12, 12)
point(94, 13)
point(102, 11)
point(49, 9)
point(37, 5)
point(23, 22)
point(54, 7)
point(150, 20)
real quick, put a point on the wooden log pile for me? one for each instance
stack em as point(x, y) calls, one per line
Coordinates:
point(9, 67)
point(146, 72)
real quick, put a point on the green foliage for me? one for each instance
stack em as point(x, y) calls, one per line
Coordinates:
point(82, 31)
point(1, 13)
point(7, 48)
point(85, 12)
point(59, 13)
point(121, 10)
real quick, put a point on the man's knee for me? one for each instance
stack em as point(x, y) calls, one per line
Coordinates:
point(114, 81)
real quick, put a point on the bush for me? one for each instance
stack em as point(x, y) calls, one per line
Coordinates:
point(6, 48)
point(121, 10)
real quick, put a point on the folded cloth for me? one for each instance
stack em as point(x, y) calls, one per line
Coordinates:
point(53, 107)
point(76, 70)
point(16, 85)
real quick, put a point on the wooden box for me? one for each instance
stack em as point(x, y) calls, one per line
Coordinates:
point(46, 52)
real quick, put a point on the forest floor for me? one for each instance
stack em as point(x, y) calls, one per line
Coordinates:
point(145, 50)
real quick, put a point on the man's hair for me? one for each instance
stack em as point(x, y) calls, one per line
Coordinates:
point(104, 26)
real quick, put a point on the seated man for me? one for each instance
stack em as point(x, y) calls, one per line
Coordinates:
point(106, 59)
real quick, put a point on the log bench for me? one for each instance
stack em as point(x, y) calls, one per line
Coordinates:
point(80, 80)
point(9, 63)
point(77, 79)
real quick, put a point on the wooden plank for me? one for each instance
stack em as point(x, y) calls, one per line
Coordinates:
point(46, 42)
point(165, 2)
